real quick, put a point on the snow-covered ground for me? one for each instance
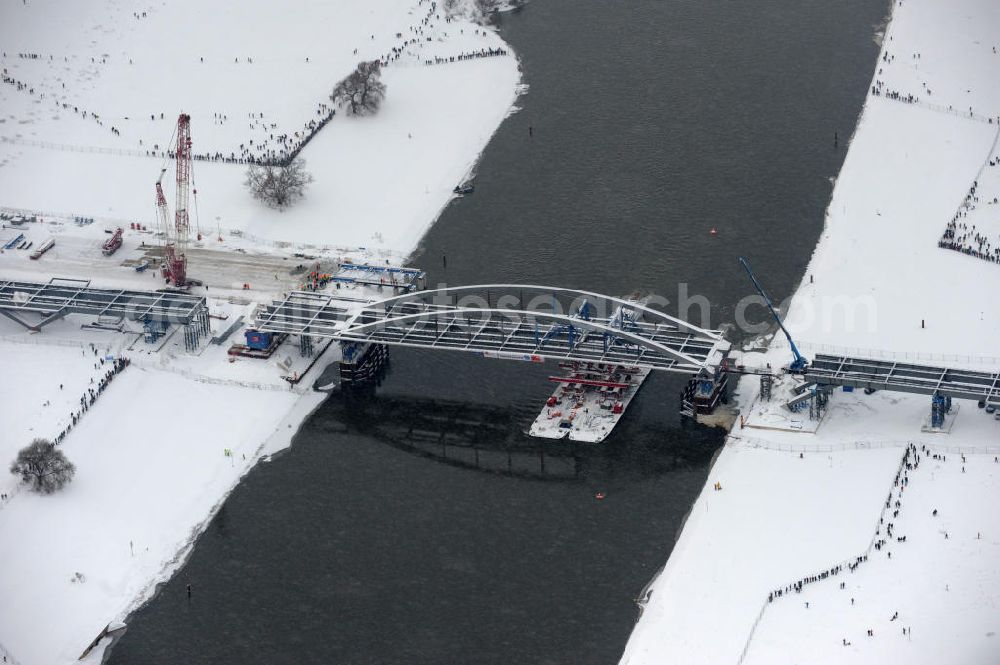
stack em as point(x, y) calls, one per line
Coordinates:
point(151, 466)
point(975, 228)
point(878, 272)
point(926, 598)
point(796, 503)
point(81, 134)
point(379, 181)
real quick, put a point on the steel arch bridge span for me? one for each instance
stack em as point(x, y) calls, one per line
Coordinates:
point(422, 320)
point(541, 334)
point(505, 291)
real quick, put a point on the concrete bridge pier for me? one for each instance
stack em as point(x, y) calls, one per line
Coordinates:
point(362, 363)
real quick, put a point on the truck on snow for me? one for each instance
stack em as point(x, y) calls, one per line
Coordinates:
point(44, 247)
point(112, 244)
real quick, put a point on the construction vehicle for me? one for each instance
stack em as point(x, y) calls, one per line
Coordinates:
point(112, 244)
point(44, 247)
point(799, 362)
point(176, 239)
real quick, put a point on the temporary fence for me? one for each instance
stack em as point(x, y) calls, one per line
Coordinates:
point(215, 380)
point(752, 442)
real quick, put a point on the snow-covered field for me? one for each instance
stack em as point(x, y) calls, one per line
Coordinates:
point(151, 466)
point(925, 599)
point(81, 134)
point(379, 181)
point(892, 198)
point(795, 504)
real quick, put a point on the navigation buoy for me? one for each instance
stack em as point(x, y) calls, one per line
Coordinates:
point(599, 496)
point(713, 231)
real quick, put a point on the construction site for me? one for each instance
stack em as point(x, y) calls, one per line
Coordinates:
point(170, 333)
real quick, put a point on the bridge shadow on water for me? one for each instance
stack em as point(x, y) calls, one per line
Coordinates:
point(409, 526)
point(492, 439)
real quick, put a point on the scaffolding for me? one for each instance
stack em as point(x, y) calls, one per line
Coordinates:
point(363, 274)
point(306, 348)
point(766, 383)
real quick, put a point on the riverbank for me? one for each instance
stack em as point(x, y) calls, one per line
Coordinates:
point(160, 450)
point(794, 506)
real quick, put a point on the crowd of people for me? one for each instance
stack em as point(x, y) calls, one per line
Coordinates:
point(884, 532)
point(281, 148)
point(470, 55)
point(967, 239)
point(798, 585)
point(115, 367)
point(21, 86)
point(274, 147)
point(879, 89)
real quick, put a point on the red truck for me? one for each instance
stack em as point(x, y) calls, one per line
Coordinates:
point(113, 243)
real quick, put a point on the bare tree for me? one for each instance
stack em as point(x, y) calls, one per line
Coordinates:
point(43, 466)
point(278, 186)
point(487, 7)
point(475, 10)
point(362, 91)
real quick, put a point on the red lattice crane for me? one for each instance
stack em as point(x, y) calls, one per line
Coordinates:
point(175, 268)
point(162, 214)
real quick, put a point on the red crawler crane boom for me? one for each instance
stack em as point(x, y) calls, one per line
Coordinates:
point(176, 268)
point(162, 214)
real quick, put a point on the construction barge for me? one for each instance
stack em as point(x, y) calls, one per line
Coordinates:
point(591, 396)
point(589, 401)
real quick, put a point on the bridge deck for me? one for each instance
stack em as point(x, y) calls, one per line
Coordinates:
point(59, 297)
point(904, 377)
point(495, 332)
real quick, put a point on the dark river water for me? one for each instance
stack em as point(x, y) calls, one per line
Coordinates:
point(418, 524)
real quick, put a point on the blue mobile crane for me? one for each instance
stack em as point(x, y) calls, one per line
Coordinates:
point(799, 363)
